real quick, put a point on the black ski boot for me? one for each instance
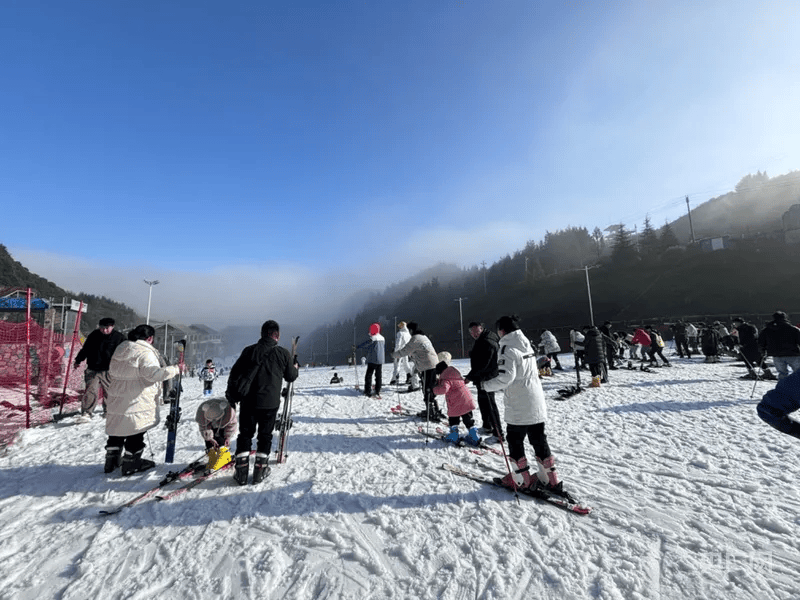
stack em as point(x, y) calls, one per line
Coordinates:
point(134, 463)
point(113, 458)
point(241, 470)
point(261, 469)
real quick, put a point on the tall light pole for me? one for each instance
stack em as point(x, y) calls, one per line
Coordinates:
point(461, 322)
point(589, 292)
point(150, 297)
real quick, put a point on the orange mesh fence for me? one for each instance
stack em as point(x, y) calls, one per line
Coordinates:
point(33, 365)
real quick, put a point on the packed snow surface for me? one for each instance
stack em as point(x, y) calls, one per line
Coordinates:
point(693, 497)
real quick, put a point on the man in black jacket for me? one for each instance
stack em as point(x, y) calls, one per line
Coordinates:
point(781, 340)
point(97, 351)
point(259, 408)
point(749, 350)
point(483, 366)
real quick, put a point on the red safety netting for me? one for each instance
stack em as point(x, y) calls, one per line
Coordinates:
point(34, 363)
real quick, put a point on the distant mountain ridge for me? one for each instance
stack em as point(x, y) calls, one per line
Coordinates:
point(756, 206)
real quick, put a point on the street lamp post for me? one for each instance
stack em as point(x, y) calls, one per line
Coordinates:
point(461, 322)
point(150, 297)
point(589, 292)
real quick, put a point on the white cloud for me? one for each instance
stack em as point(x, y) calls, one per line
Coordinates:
point(291, 292)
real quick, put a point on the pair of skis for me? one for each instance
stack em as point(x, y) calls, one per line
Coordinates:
point(174, 415)
point(481, 448)
point(539, 493)
point(284, 423)
point(193, 467)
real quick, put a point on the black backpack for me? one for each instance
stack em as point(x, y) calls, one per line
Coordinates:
point(240, 388)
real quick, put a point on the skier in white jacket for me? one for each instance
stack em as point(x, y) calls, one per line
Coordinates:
point(401, 362)
point(525, 409)
point(549, 344)
point(135, 375)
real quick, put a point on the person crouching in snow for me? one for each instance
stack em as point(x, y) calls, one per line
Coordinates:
point(525, 410)
point(217, 421)
point(460, 402)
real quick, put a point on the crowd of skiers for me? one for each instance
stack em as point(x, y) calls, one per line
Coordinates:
point(505, 361)
point(601, 349)
point(131, 373)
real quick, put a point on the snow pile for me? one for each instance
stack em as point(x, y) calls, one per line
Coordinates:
point(693, 497)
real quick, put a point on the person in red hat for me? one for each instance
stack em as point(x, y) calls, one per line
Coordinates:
point(376, 353)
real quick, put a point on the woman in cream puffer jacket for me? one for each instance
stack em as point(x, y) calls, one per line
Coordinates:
point(135, 376)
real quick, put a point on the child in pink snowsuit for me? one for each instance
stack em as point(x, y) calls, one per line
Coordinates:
point(460, 402)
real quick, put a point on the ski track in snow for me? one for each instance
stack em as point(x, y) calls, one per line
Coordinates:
point(693, 497)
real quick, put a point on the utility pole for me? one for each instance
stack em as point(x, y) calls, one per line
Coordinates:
point(689, 210)
point(461, 322)
point(150, 297)
point(589, 292)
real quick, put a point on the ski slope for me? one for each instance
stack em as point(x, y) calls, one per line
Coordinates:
point(693, 497)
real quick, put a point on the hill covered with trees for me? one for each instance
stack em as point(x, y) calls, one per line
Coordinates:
point(655, 276)
point(14, 274)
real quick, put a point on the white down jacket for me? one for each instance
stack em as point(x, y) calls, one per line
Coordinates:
point(135, 376)
point(550, 343)
point(518, 377)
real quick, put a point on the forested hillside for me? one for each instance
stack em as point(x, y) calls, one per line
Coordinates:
point(14, 274)
point(654, 276)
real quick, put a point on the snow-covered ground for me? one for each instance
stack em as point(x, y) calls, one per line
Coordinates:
point(693, 497)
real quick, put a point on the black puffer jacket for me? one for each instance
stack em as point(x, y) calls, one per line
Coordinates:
point(483, 357)
point(594, 345)
point(780, 338)
point(276, 366)
point(98, 349)
point(748, 335)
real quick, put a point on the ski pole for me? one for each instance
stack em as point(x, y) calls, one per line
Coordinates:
point(150, 444)
point(752, 370)
point(508, 466)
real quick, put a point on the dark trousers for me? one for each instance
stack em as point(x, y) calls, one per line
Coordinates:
point(682, 346)
point(252, 419)
point(469, 422)
point(378, 371)
point(428, 383)
point(207, 385)
point(597, 369)
point(489, 413)
point(554, 357)
point(778, 403)
point(515, 435)
point(753, 356)
point(131, 443)
point(656, 349)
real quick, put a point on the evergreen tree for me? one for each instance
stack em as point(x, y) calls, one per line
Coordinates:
point(668, 237)
point(623, 251)
point(649, 244)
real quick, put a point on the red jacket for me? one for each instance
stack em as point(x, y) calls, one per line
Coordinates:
point(641, 337)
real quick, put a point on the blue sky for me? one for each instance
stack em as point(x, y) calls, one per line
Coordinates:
point(266, 159)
